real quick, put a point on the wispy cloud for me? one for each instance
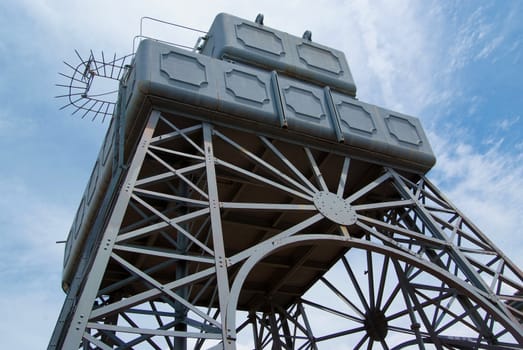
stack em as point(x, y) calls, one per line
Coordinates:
point(388, 49)
point(487, 187)
point(467, 35)
point(490, 47)
point(506, 124)
point(416, 67)
point(32, 224)
point(30, 263)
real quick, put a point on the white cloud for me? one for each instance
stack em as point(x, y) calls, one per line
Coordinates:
point(490, 47)
point(31, 225)
point(30, 263)
point(390, 55)
point(487, 187)
point(474, 103)
point(28, 318)
point(506, 124)
point(468, 35)
point(11, 122)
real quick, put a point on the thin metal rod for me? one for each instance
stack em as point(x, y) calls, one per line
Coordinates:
point(150, 294)
point(368, 188)
point(154, 332)
point(263, 179)
point(158, 226)
point(173, 224)
point(316, 170)
point(135, 271)
point(263, 163)
point(169, 197)
point(164, 253)
point(175, 172)
point(288, 163)
point(169, 23)
point(343, 176)
point(267, 206)
point(340, 295)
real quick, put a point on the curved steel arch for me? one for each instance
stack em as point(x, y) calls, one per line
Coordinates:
point(271, 246)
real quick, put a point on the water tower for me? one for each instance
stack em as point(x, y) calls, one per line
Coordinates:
point(244, 198)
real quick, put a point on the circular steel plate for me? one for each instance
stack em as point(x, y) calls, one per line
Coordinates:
point(335, 208)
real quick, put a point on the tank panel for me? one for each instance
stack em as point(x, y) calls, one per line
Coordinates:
point(251, 96)
point(236, 39)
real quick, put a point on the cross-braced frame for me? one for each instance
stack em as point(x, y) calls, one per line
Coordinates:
point(229, 238)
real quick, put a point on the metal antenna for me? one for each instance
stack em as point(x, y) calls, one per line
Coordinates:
point(91, 71)
point(98, 71)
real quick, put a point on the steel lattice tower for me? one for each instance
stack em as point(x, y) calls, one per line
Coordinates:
point(244, 198)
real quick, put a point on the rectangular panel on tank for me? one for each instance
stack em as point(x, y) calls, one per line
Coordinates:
point(252, 43)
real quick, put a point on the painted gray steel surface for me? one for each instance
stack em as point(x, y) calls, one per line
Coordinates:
point(224, 192)
point(257, 98)
point(254, 99)
point(239, 40)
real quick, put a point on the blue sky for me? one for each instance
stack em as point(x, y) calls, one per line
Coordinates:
point(458, 66)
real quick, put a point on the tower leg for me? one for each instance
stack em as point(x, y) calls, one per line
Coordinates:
point(160, 252)
point(84, 296)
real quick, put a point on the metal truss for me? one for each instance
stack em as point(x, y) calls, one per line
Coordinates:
point(229, 239)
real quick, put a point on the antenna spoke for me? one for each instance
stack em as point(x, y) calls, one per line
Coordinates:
point(81, 80)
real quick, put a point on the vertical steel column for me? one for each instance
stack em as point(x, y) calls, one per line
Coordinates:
point(255, 333)
point(306, 323)
point(217, 234)
point(273, 325)
point(286, 331)
point(180, 310)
